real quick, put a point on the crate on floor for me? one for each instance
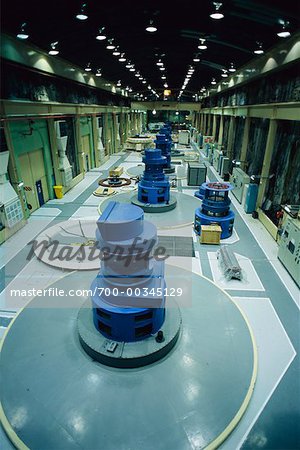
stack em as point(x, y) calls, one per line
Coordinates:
point(210, 234)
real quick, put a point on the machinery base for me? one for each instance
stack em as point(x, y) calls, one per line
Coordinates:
point(226, 223)
point(126, 354)
point(155, 208)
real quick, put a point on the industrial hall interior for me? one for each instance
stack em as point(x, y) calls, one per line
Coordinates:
point(150, 225)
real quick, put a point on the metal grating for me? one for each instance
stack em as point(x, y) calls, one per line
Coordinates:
point(177, 245)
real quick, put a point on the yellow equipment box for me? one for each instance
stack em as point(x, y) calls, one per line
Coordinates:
point(210, 234)
point(116, 171)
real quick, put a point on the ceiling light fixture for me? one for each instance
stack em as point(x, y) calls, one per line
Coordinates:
point(151, 28)
point(213, 81)
point(116, 51)
point(164, 77)
point(217, 14)
point(119, 83)
point(166, 85)
point(232, 68)
point(98, 73)
point(284, 32)
point(159, 63)
point(132, 69)
point(154, 112)
point(82, 14)
point(196, 58)
point(22, 33)
point(101, 36)
point(88, 67)
point(110, 45)
point(259, 49)
point(122, 58)
point(224, 74)
point(128, 65)
point(202, 45)
point(53, 51)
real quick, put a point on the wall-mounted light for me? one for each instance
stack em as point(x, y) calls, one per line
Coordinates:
point(259, 49)
point(177, 113)
point(202, 45)
point(151, 28)
point(53, 50)
point(284, 32)
point(110, 45)
point(217, 13)
point(82, 14)
point(101, 36)
point(154, 112)
point(22, 33)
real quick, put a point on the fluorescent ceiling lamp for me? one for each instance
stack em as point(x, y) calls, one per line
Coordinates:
point(202, 45)
point(196, 59)
point(213, 81)
point(151, 28)
point(22, 34)
point(82, 14)
point(101, 36)
point(144, 81)
point(217, 14)
point(232, 68)
point(98, 73)
point(284, 32)
point(259, 49)
point(110, 45)
point(53, 51)
point(122, 58)
point(116, 52)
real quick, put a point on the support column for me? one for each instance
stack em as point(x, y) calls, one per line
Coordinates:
point(208, 125)
point(231, 133)
point(220, 137)
point(267, 162)
point(245, 141)
point(79, 144)
point(95, 140)
point(214, 126)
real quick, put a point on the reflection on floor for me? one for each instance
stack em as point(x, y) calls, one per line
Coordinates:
point(267, 295)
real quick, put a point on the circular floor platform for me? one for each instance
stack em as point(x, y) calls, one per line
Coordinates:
point(180, 216)
point(136, 171)
point(54, 394)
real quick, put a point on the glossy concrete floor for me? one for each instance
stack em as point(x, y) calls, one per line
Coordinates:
point(273, 416)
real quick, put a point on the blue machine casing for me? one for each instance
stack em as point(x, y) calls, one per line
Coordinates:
point(123, 307)
point(215, 208)
point(154, 186)
point(251, 197)
point(164, 143)
point(201, 191)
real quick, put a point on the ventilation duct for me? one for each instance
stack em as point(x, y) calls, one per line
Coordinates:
point(65, 168)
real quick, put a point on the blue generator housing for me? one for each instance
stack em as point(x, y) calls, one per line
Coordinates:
point(215, 208)
point(154, 186)
point(129, 291)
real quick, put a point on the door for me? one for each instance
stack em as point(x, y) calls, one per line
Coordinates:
point(86, 148)
point(34, 178)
